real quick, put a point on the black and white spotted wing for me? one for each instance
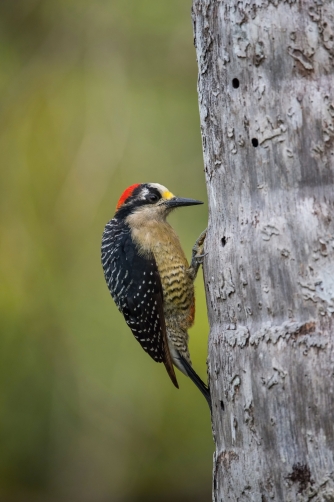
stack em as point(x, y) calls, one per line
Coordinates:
point(135, 286)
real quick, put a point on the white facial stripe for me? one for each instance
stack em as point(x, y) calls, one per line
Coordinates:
point(165, 193)
point(159, 187)
point(143, 194)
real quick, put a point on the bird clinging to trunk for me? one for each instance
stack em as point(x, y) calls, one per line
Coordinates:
point(149, 277)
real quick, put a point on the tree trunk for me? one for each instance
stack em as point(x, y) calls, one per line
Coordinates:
point(267, 118)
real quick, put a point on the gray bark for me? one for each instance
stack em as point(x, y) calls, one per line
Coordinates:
point(267, 119)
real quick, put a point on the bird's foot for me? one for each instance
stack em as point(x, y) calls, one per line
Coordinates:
point(197, 254)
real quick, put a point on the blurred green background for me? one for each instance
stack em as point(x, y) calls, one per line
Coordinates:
point(94, 96)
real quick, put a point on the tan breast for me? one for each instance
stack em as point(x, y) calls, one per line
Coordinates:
point(159, 238)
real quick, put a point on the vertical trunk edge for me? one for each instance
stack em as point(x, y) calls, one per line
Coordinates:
point(266, 102)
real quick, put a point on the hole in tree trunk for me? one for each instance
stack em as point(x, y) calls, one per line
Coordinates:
point(235, 83)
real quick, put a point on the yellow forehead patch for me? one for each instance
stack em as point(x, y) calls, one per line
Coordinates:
point(167, 195)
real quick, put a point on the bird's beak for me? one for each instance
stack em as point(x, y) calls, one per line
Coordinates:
point(180, 201)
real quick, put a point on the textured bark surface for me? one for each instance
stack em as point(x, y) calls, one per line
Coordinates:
point(267, 118)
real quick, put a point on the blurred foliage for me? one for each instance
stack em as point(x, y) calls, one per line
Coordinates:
point(94, 96)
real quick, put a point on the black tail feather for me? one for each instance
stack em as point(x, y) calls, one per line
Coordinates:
point(196, 380)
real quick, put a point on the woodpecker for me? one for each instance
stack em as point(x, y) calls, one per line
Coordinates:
point(149, 277)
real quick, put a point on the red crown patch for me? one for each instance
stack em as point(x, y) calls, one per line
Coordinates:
point(126, 194)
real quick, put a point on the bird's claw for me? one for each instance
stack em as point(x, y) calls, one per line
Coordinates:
point(197, 254)
point(200, 258)
point(199, 245)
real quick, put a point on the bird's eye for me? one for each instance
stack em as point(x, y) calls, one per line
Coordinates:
point(152, 197)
